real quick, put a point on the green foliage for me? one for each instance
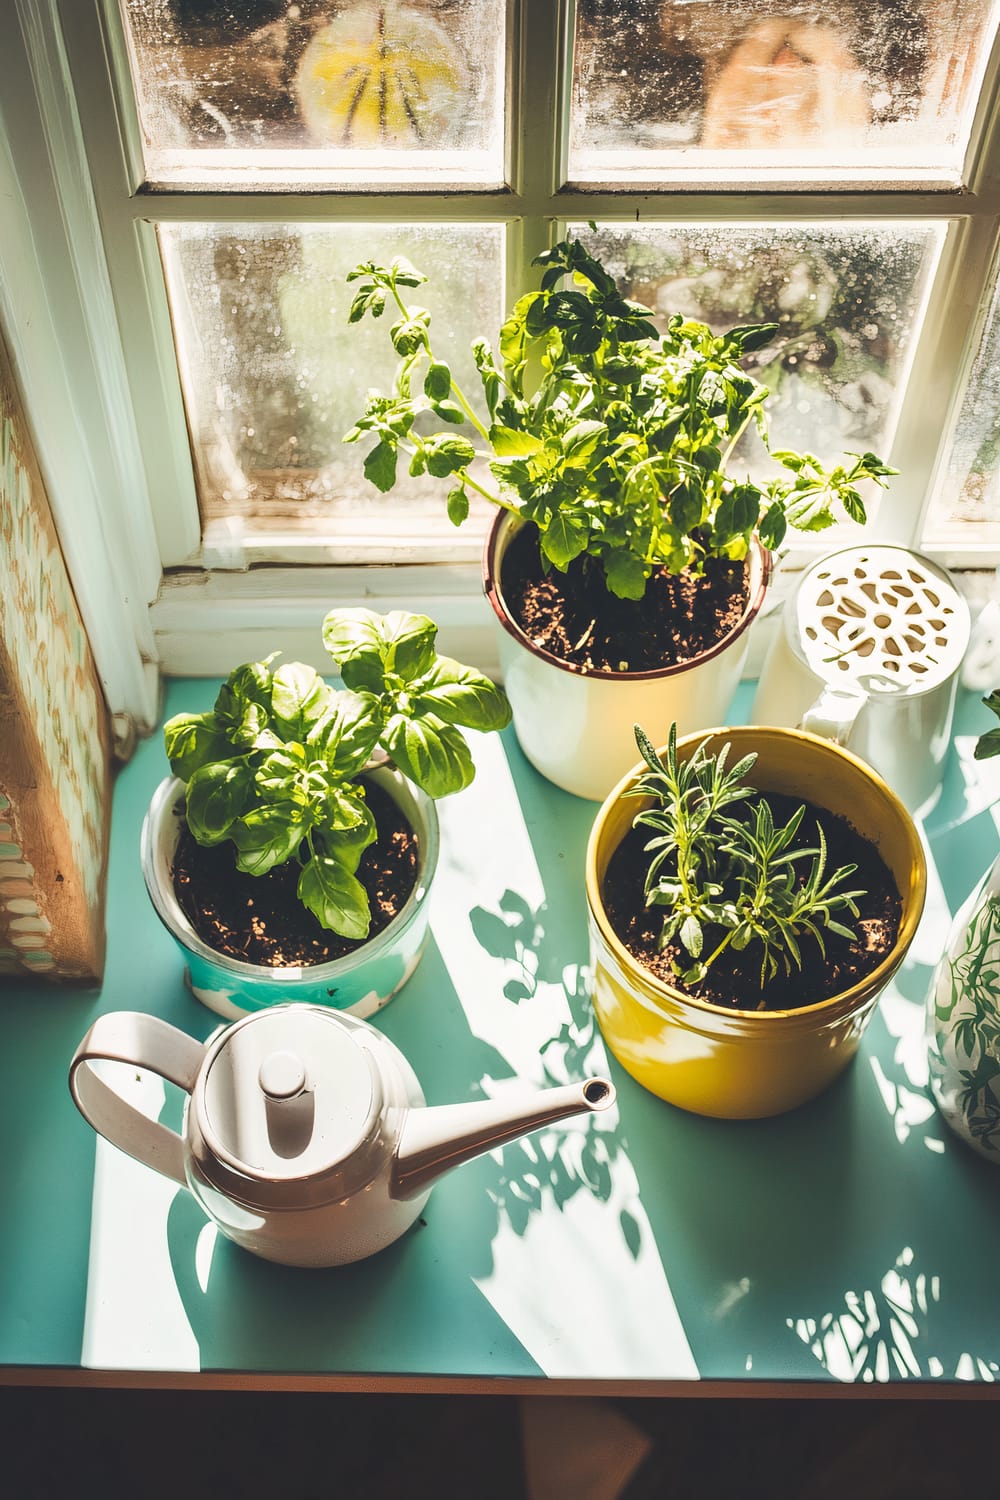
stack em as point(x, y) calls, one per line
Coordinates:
point(275, 767)
point(618, 449)
point(988, 744)
point(732, 881)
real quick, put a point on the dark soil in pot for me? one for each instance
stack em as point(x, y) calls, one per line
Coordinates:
point(259, 919)
point(733, 981)
point(574, 617)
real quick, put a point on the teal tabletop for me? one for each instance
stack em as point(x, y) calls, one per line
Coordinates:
point(848, 1243)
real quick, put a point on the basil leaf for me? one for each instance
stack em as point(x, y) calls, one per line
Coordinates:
point(353, 638)
point(509, 443)
point(380, 466)
point(773, 526)
point(299, 698)
point(335, 897)
point(853, 504)
point(449, 411)
point(579, 442)
point(737, 513)
point(563, 540)
point(267, 836)
point(350, 831)
point(217, 795)
point(194, 740)
point(437, 381)
point(625, 573)
point(280, 772)
point(409, 641)
point(404, 273)
point(409, 334)
point(246, 685)
point(751, 336)
point(348, 732)
point(460, 695)
point(458, 505)
point(255, 732)
point(431, 753)
point(809, 510)
point(446, 455)
point(987, 745)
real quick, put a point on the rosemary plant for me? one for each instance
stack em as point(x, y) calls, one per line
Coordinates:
point(732, 881)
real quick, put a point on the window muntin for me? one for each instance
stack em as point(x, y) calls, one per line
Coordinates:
point(374, 95)
point(708, 92)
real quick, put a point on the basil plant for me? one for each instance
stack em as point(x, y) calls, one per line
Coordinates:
point(615, 440)
point(276, 766)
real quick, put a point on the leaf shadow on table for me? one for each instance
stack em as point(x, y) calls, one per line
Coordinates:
point(519, 935)
point(818, 1241)
point(809, 1245)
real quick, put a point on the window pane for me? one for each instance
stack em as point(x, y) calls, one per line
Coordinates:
point(363, 95)
point(273, 375)
point(965, 508)
point(847, 298)
point(708, 91)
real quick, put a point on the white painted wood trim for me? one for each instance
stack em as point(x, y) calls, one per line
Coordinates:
point(59, 319)
point(206, 623)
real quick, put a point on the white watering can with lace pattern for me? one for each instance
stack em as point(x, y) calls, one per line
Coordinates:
point(868, 655)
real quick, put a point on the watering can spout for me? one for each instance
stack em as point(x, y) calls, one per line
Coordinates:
point(436, 1139)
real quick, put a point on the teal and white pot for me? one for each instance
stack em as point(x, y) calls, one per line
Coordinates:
point(963, 1021)
point(359, 983)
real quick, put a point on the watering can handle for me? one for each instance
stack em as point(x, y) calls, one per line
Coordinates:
point(144, 1042)
point(833, 715)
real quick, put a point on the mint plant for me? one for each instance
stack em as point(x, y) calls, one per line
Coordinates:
point(275, 767)
point(732, 882)
point(614, 440)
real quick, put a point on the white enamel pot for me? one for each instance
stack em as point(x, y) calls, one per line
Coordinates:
point(577, 726)
point(359, 983)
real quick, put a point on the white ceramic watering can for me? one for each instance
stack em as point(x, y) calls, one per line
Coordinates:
point(306, 1137)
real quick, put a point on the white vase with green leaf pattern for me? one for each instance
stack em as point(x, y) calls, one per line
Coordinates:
point(963, 1021)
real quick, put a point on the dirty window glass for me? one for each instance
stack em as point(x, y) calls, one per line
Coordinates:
point(880, 91)
point(273, 375)
point(847, 298)
point(267, 94)
point(966, 503)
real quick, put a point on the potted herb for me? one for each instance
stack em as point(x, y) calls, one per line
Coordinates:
point(742, 926)
point(291, 852)
point(627, 560)
point(963, 1008)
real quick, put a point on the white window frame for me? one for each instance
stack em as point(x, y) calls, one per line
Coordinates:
point(84, 305)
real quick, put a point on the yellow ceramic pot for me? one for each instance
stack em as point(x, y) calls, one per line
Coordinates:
point(747, 1064)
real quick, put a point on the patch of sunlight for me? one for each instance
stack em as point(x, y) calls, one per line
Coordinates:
point(909, 1110)
point(134, 1317)
point(570, 1219)
point(203, 1252)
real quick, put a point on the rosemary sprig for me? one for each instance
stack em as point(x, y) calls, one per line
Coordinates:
point(730, 881)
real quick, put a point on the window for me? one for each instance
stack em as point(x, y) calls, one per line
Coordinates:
point(739, 160)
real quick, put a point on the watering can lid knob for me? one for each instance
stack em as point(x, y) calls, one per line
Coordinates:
point(283, 1075)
